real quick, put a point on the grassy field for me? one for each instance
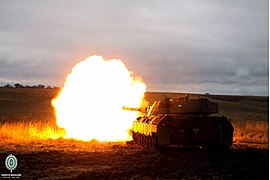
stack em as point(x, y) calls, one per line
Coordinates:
point(26, 104)
point(32, 108)
point(28, 130)
point(35, 104)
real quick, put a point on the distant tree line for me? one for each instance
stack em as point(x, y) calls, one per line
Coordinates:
point(40, 86)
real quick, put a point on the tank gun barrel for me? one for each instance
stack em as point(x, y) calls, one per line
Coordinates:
point(134, 109)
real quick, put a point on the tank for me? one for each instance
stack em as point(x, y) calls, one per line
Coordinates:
point(182, 121)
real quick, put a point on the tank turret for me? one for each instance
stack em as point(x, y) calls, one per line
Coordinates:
point(184, 106)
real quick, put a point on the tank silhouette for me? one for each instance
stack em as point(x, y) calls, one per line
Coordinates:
point(182, 121)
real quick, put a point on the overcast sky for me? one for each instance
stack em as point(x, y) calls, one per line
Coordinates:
point(213, 46)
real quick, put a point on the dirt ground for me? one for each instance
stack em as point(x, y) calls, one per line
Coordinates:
point(68, 159)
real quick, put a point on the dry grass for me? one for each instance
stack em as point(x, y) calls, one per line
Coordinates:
point(27, 115)
point(251, 131)
point(29, 131)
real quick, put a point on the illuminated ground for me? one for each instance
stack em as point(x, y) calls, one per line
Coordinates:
point(63, 159)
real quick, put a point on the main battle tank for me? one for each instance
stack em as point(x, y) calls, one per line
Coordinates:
point(182, 121)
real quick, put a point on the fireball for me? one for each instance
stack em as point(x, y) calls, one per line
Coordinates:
point(89, 106)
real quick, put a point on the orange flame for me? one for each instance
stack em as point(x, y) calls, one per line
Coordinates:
point(90, 103)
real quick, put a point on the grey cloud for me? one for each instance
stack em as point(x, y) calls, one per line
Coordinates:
point(168, 43)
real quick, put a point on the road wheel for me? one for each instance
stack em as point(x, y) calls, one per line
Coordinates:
point(150, 143)
point(154, 142)
point(135, 139)
point(139, 139)
point(144, 140)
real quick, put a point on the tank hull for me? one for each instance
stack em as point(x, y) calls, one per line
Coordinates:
point(208, 131)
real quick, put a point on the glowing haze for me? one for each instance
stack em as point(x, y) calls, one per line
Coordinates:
point(89, 105)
